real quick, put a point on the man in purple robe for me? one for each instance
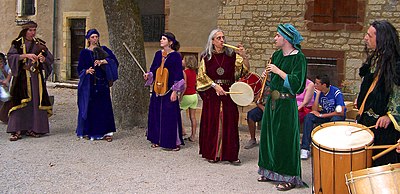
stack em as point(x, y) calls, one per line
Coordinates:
point(30, 62)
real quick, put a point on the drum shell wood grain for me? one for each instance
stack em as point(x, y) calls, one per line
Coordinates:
point(380, 179)
point(330, 164)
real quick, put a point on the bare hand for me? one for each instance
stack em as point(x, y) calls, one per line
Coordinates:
point(99, 62)
point(146, 76)
point(219, 90)
point(173, 96)
point(383, 122)
point(316, 113)
point(398, 147)
point(272, 68)
point(32, 57)
point(90, 71)
point(264, 73)
point(41, 58)
point(241, 51)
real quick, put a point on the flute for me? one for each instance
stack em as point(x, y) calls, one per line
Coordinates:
point(231, 46)
point(263, 84)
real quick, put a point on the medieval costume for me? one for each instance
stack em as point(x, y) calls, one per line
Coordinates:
point(279, 154)
point(219, 135)
point(379, 103)
point(30, 103)
point(96, 117)
point(164, 120)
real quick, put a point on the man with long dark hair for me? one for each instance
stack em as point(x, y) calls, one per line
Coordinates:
point(379, 97)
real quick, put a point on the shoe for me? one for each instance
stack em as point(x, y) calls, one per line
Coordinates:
point(264, 179)
point(251, 144)
point(236, 162)
point(108, 138)
point(304, 154)
point(15, 137)
point(285, 186)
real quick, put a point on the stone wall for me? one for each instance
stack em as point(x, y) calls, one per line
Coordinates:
point(254, 22)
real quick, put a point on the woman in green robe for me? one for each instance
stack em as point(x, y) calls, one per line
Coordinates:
point(279, 155)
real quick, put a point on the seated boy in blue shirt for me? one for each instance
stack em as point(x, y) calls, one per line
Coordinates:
point(333, 109)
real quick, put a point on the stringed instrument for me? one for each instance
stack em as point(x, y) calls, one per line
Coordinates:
point(161, 80)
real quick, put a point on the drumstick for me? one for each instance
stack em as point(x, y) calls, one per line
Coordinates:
point(377, 147)
point(233, 92)
point(231, 46)
point(348, 133)
point(385, 151)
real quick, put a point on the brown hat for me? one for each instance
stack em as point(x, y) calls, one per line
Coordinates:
point(30, 24)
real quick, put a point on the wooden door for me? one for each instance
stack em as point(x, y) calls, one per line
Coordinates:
point(78, 27)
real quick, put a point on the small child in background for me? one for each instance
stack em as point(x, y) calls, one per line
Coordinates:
point(189, 99)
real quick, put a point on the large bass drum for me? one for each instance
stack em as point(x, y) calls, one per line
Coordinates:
point(336, 152)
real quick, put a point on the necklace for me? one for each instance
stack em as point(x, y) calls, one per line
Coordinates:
point(220, 69)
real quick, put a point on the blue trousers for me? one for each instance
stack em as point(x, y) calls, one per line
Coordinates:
point(309, 121)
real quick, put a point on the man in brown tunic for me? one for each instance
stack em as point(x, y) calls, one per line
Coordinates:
point(30, 62)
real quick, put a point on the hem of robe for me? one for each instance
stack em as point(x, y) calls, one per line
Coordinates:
point(281, 178)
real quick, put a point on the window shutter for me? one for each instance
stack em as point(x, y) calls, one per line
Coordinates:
point(345, 11)
point(323, 11)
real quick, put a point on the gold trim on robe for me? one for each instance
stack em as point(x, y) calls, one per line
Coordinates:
point(204, 82)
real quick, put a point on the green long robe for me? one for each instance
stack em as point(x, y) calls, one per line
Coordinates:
point(279, 154)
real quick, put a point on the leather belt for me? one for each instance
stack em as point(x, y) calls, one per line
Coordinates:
point(275, 95)
point(223, 81)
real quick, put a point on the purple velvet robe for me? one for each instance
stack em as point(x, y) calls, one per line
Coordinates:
point(164, 120)
point(219, 135)
point(95, 116)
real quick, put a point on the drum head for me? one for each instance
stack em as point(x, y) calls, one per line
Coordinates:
point(246, 96)
point(335, 136)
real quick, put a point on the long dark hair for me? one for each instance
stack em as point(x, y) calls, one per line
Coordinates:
point(171, 37)
point(386, 55)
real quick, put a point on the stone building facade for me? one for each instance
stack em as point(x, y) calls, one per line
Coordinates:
point(254, 22)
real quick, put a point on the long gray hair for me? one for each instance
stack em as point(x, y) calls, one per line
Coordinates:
point(207, 53)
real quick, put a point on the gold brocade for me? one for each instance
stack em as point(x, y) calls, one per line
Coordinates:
point(204, 82)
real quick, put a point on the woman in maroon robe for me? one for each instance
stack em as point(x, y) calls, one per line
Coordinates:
point(219, 68)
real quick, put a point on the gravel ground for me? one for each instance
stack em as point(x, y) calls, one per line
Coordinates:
point(61, 163)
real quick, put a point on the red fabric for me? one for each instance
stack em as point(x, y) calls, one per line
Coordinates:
point(212, 115)
point(190, 82)
point(303, 112)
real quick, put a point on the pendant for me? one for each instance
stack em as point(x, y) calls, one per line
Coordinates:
point(220, 71)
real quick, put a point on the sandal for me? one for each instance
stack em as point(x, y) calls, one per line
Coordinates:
point(154, 145)
point(285, 186)
point(213, 161)
point(108, 138)
point(236, 162)
point(189, 139)
point(15, 137)
point(264, 179)
point(32, 134)
point(177, 148)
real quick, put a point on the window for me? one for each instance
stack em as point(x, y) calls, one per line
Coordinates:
point(333, 15)
point(25, 7)
point(153, 19)
point(335, 11)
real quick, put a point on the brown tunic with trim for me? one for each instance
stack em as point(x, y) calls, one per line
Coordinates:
point(30, 101)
